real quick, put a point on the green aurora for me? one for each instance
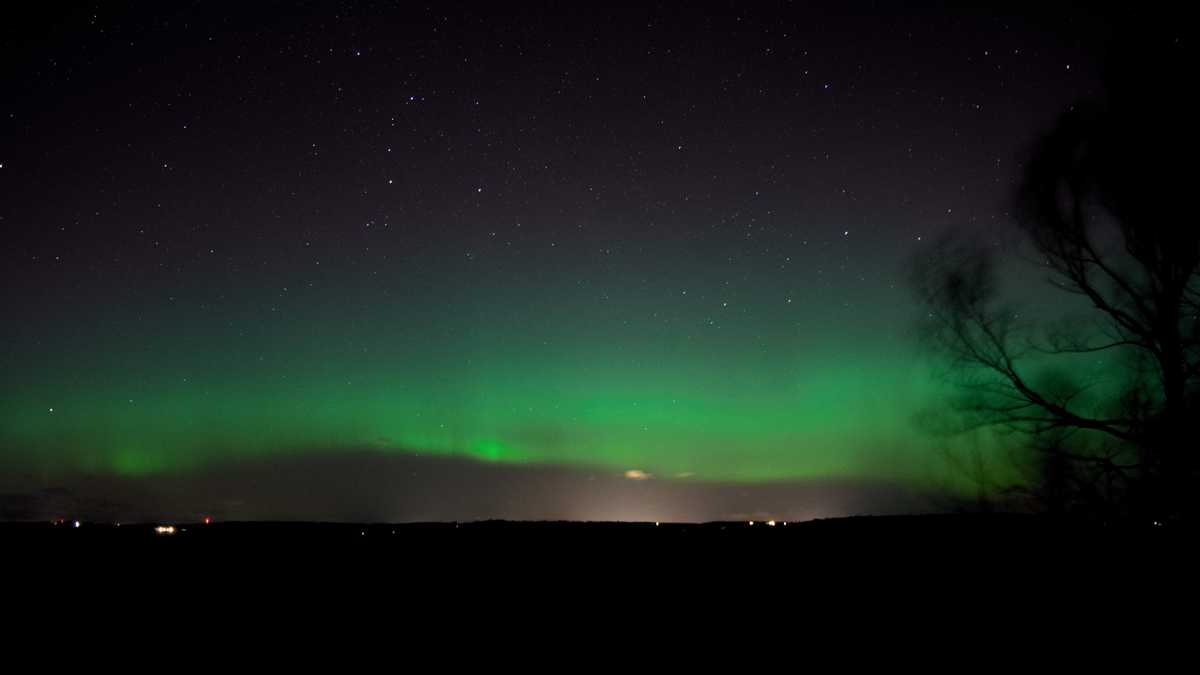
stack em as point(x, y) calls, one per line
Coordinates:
point(757, 394)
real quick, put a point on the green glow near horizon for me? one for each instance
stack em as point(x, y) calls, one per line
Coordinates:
point(804, 395)
point(814, 427)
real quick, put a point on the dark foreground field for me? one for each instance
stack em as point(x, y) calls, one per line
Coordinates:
point(1001, 555)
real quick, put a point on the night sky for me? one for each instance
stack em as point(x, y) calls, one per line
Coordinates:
point(397, 261)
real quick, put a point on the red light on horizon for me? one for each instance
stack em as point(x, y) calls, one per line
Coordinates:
point(207, 520)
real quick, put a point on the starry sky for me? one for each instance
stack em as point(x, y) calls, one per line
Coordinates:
point(397, 261)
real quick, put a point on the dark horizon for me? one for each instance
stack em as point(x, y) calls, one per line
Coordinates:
point(372, 486)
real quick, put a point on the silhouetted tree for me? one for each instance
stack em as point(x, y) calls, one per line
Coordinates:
point(1103, 203)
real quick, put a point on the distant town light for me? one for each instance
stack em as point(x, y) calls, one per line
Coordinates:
point(771, 523)
point(165, 529)
point(77, 523)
